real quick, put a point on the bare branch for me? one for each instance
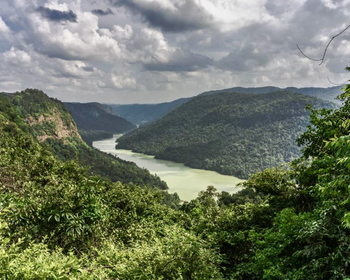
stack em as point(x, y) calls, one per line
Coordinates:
point(325, 50)
point(313, 59)
point(342, 84)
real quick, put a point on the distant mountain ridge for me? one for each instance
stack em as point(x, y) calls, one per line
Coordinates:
point(229, 132)
point(328, 94)
point(95, 116)
point(141, 114)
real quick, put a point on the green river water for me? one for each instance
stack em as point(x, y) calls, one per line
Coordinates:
point(185, 181)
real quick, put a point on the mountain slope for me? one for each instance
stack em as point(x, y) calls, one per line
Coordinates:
point(96, 121)
point(52, 125)
point(232, 133)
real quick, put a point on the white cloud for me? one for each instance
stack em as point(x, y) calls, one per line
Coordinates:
point(53, 4)
point(149, 45)
point(74, 41)
point(121, 82)
point(330, 4)
point(17, 57)
point(233, 15)
point(121, 34)
point(5, 31)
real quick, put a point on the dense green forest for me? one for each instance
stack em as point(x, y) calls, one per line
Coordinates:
point(51, 123)
point(232, 133)
point(96, 121)
point(59, 222)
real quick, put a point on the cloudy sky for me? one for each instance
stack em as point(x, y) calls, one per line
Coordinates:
point(149, 51)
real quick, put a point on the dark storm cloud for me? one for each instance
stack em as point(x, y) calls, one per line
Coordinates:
point(52, 51)
point(88, 69)
point(181, 61)
point(56, 15)
point(99, 12)
point(186, 16)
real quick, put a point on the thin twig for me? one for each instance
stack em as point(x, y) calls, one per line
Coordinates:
point(325, 50)
point(335, 83)
point(313, 59)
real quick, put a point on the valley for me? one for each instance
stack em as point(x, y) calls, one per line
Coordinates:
point(108, 218)
point(185, 181)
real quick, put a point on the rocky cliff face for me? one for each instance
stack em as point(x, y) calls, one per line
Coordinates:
point(51, 125)
point(47, 117)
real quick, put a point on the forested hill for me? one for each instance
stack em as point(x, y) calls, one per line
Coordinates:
point(232, 133)
point(96, 121)
point(93, 116)
point(51, 124)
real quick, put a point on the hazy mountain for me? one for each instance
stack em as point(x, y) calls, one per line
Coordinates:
point(325, 93)
point(141, 114)
point(329, 93)
point(254, 90)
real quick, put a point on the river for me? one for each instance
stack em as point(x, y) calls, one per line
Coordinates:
point(185, 181)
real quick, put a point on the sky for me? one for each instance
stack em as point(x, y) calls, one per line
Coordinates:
point(151, 51)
